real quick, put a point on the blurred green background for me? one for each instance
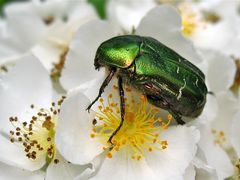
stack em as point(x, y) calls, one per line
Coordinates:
point(98, 4)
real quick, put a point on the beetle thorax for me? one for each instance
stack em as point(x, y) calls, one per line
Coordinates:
point(119, 52)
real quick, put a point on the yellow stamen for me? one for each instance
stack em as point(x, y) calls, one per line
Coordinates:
point(140, 131)
point(37, 135)
point(219, 137)
point(190, 19)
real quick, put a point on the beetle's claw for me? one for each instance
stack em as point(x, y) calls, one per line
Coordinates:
point(111, 147)
point(88, 108)
point(110, 141)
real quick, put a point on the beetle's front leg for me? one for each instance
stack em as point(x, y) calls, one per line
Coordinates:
point(104, 84)
point(122, 108)
point(177, 117)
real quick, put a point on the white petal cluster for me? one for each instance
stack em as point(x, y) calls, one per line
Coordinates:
point(48, 79)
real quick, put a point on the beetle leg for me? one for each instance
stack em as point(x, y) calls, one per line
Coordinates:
point(177, 117)
point(122, 107)
point(104, 84)
point(211, 93)
point(160, 102)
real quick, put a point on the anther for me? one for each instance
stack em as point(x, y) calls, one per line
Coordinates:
point(56, 161)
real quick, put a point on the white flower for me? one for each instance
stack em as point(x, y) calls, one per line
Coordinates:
point(213, 25)
point(221, 67)
point(217, 27)
point(45, 28)
point(142, 148)
point(214, 123)
point(28, 119)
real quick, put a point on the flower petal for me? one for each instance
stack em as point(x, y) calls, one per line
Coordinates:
point(215, 156)
point(74, 128)
point(228, 105)
point(14, 155)
point(79, 66)
point(121, 167)
point(203, 170)
point(164, 24)
point(190, 173)
point(209, 39)
point(49, 53)
point(209, 112)
point(95, 166)
point(234, 133)
point(117, 11)
point(24, 84)
point(81, 12)
point(20, 16)
point(127, 169)
point(12, 173)
point(180, 151)
point(63, 169)
point(203, 174)
point(220, 67)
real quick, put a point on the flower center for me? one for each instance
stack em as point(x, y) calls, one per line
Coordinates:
point(237, 170)
point(3, 69)
point(219, 137)
point(211, 17)
point(37, 135)
point(57, 67)
point(140, 131)
point(191, 19)
point(236, 84)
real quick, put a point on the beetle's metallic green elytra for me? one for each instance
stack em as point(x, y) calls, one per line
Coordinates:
point(168, 80)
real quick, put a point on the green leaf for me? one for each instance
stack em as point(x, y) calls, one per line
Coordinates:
point(3, 2)
point(100, 6)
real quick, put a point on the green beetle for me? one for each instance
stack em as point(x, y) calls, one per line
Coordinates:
point(167, 79)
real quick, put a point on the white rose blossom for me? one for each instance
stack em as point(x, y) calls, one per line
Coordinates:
point(142, 148)
point(214, 125)
point(209, 24)
point(28, 119)
point(212, 25)
point(45, 28)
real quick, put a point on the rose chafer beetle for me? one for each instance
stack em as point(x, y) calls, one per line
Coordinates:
point(167, 79)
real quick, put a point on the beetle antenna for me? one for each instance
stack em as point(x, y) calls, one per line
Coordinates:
point(104, 84)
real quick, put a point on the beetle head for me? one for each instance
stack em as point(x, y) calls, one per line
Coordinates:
point(118, 52)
